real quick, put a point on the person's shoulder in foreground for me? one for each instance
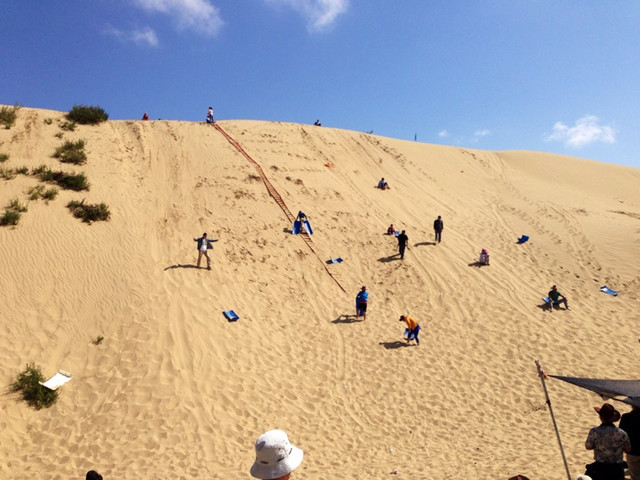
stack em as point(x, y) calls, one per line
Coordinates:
point(276, 458)
point(93, 475)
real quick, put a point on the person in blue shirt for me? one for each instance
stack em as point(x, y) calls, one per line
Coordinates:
point(361, 303)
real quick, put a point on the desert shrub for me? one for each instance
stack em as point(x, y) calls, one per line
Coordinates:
point(28, 382)
point(7, 173)
point(59, 135)
point(16, 206)
point(35, 192)
point(98, 340)
point(48, 121)
point(71, 152)
point(89, 212)
point(85, 114)
point(50, 193)
point(3, 157)
point(10, 217)
point(23, 170)
point(68, 181)
point(8, 115)
point(68, 126)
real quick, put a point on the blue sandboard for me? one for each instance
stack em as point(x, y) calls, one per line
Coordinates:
point(546, 299)
point(523, 239)
point(307, 227)
point(297, 226)
point(230, 315)
point(336, 260)
point(606, 289)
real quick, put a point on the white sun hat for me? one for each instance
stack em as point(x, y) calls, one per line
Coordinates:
point(275, 456)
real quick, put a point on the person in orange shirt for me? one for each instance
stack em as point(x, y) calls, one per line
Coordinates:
point(413, 328)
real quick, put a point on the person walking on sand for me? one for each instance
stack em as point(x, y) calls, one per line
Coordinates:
point(438, 226)
point(554, 299)
point(630, 423)
point(276, 458)
point(413, 328)
point(204, 244)
point(362, 298)
point(402, 243)
point(608, 443)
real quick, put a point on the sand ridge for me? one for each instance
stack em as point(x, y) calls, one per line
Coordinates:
point(175, 391)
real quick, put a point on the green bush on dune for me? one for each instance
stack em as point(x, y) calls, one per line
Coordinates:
point(8, 115)
point(85, 114)
point(68, 181)
point(28, 382)
point(89, 212)
point(10, 217)
point(71, 152)
point(3, 157)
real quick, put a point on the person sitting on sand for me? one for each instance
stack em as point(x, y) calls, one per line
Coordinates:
point(145, 116)
point(383, 185)
point(276, 458)
point(317, 123)
point(210, 116)
point(554, 299)
point(413, 328)
point(484, 257)
point(391, 230)
point(608, 443)
point(362, 298)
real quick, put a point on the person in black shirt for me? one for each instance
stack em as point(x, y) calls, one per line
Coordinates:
point(438, 226)
point(402, 243)
point(630, 423)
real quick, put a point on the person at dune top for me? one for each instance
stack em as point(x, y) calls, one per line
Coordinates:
point(276, 458)
point(210, 116)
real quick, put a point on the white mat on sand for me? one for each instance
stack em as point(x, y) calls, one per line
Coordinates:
point(57, 380)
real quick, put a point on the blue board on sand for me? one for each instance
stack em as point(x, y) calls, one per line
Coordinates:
point(606, 289)
point(297, 226)
point(307, 227)
point(523, 239)
point(545, 299)
point(336, 260)
point(230, 315)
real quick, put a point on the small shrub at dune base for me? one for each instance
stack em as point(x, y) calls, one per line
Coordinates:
point(28, 383)
point(23, 170)
point(50, 194)
point(10, 217)
point(16, 206)
point(59, 135)
point(35, 192)
point(85, 114)
point(8, 115)
point(7, 173)
point(89, 212)
point(98, 340)
point(68, 181)
point(68, 126)
point(71, 152)
point(3, 157)
point(48, 121)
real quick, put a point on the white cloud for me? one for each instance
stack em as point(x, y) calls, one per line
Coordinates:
point(320, 14)
point(143, 36)
point(481, 133)
point(443, 133)
point(587, 130)
point(197, 15)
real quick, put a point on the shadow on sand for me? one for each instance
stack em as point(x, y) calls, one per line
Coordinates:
point(287, 230)
point(347, 319)
point(390, 259)
point(181, 266)
point(396, 344)
point(419, 244)
point(478, 264)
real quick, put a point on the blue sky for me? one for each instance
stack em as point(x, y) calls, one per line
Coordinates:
point(556, 76)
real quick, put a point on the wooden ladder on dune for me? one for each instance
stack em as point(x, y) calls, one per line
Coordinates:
point(278, 198)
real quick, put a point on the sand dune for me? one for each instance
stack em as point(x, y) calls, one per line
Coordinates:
point(175, 391)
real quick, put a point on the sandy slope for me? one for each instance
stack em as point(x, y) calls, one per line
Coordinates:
point(175, 391)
